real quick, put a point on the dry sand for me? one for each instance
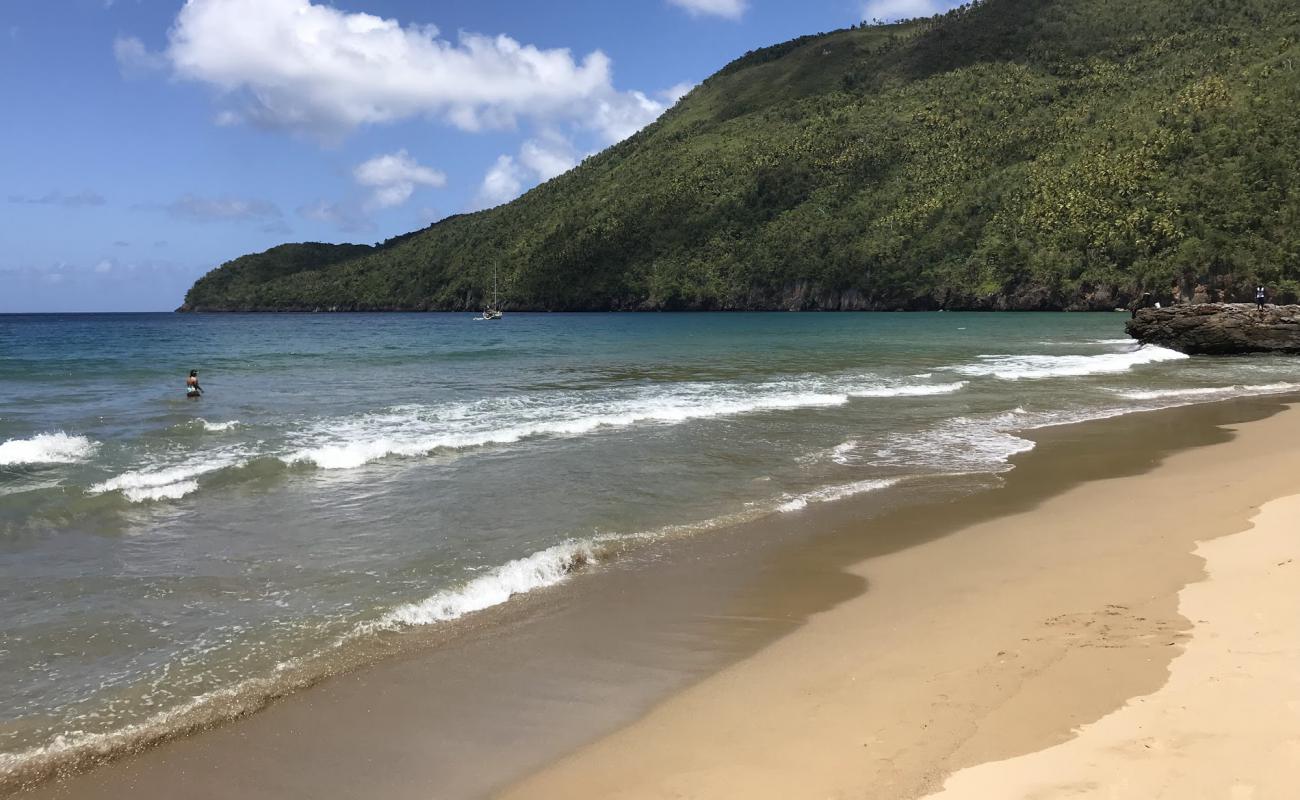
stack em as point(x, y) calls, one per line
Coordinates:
point(1049, 632)
point(1227, 724)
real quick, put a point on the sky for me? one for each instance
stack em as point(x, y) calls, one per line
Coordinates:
point(145, 142)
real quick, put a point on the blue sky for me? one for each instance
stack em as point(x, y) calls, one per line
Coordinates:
point(147, 141)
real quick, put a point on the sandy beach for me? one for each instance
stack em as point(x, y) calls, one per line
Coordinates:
point(1055, 636)
point(1131, 637)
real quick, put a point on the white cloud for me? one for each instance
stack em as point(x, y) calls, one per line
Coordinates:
point(392, 178)
point(539, 159)
point(503, 183)
point(731, 9)
point(134, 59)
point(620, 116)
point(674, 93)
point(308, 67)
point(343, 216)
point(548, 156)
point(104, 266)
point(208, 209)
point(892, 10)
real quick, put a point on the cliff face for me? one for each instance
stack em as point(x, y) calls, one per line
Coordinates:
point(1219, 328)
point(1012, 154)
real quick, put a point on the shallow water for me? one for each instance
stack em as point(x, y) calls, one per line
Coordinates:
point(349, 475)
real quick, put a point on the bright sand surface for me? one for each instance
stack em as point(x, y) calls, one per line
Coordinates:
point(1105, 642)
point(1227, 724)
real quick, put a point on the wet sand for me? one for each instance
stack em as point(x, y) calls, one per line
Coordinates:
point(1002, 640)
point(816, 654)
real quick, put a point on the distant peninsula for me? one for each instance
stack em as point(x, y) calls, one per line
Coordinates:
point(1010, 154)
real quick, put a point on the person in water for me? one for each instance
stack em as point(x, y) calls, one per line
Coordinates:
point(192, 388)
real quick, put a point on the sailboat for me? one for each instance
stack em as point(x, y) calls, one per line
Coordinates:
point(492, 311)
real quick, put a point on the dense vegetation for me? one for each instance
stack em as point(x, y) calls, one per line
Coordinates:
point(1009, 154)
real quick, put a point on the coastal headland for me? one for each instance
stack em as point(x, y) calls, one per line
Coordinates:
point(840, 655)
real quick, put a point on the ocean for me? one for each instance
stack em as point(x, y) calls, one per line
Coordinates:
point(345, 480)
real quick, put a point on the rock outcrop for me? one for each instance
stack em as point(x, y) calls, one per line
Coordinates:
point(1219, 328)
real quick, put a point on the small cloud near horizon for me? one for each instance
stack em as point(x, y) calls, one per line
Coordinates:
point(212, 209)
point(344, 216)
point(728, 9)
point(81, 199)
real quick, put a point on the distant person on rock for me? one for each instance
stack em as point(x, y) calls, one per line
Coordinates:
point(1261, 297)
point(192, 389)
point(1142, 302)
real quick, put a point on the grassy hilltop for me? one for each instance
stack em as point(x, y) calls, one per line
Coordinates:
point(1028, 154)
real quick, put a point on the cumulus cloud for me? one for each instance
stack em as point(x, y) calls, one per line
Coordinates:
point(344, 216)
point(893, 10)
point(502, 183)
point(81, 199)
point(540, 159)
point(548, 156)
point(392, 178)
point(730, 9)
point(310, 67)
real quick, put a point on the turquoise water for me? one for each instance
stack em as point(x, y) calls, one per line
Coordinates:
point(347, 477)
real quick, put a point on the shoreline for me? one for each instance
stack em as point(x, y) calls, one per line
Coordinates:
point(887, 694)
point(1225, 723)
point(756, 602)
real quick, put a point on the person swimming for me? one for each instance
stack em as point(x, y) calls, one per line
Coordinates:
point(192, 388)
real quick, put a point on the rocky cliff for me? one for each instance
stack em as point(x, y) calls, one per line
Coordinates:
point(1219, 328)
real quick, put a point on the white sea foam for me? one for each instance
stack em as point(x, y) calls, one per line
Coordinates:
point(47, 448)
point(981, 443)
point(840, 453)
point(831, 493)
point(415, 430)
point(218, 427)
point(1028, 367)
point(914, 390)
point(544, 568)
point(1240, 390)
point(167, 483)
point(170, 491)
point(373, 438)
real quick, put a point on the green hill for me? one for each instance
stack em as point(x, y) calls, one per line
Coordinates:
point(1028, 154)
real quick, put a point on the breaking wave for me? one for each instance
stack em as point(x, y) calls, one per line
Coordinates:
point(416, 431)
point(541, 569)
point(831, 493)
point(167, 483)
point(47, 448)
point(1238, 390)
point(1031, 367)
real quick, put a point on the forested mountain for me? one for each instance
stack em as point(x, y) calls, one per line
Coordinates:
point(1010, 154)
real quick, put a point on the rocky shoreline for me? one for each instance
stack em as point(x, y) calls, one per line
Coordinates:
point(1219, 328)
